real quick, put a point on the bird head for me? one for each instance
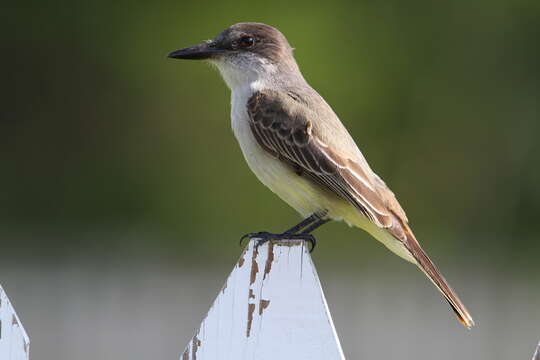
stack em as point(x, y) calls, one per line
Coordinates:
point(244, 50)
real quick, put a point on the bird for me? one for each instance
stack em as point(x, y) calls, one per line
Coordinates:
point(297, 146)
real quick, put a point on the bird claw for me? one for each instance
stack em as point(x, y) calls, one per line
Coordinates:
point(265, 236)
point(260, 234)
point(310, 238)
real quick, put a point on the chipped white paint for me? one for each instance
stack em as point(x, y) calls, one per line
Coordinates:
point(536, 355)
point(14, 343)
point(271, 307)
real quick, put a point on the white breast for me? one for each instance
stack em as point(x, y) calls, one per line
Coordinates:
point(267, 168)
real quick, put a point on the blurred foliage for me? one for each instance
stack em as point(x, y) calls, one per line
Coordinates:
point(107, 146)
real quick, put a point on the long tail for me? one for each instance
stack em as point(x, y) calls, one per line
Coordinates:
point(426, 265)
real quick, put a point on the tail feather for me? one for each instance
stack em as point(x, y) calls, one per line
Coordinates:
point(426, 265)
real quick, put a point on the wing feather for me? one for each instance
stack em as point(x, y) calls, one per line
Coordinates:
point(281, 126)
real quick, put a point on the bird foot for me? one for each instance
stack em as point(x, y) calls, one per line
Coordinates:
point(264, 236)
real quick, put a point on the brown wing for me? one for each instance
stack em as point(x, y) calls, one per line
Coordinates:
point(281, 125)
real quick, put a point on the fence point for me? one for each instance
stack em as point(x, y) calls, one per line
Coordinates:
point(271, 307)
point(536, 355)
point(14, 343)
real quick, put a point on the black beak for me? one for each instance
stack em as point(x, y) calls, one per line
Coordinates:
point(197, 52)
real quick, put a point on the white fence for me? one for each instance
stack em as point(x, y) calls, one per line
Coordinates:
point(271, 307)
point(14, 343)
point(536, 355)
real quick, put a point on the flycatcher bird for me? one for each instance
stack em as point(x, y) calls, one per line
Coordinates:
point(297, 146)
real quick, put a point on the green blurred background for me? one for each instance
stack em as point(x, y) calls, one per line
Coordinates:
point(108, 148)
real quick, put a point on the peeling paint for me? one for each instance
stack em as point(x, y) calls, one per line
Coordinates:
point(251, 309)
point(254, 266)
point(263, 304)
point(14, 320)
point(242, 259)
point(269, 259)
point(251, 294)
point(195, 344)
point(185, 356)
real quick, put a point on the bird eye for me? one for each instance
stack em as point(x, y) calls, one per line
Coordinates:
point(246, 41)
